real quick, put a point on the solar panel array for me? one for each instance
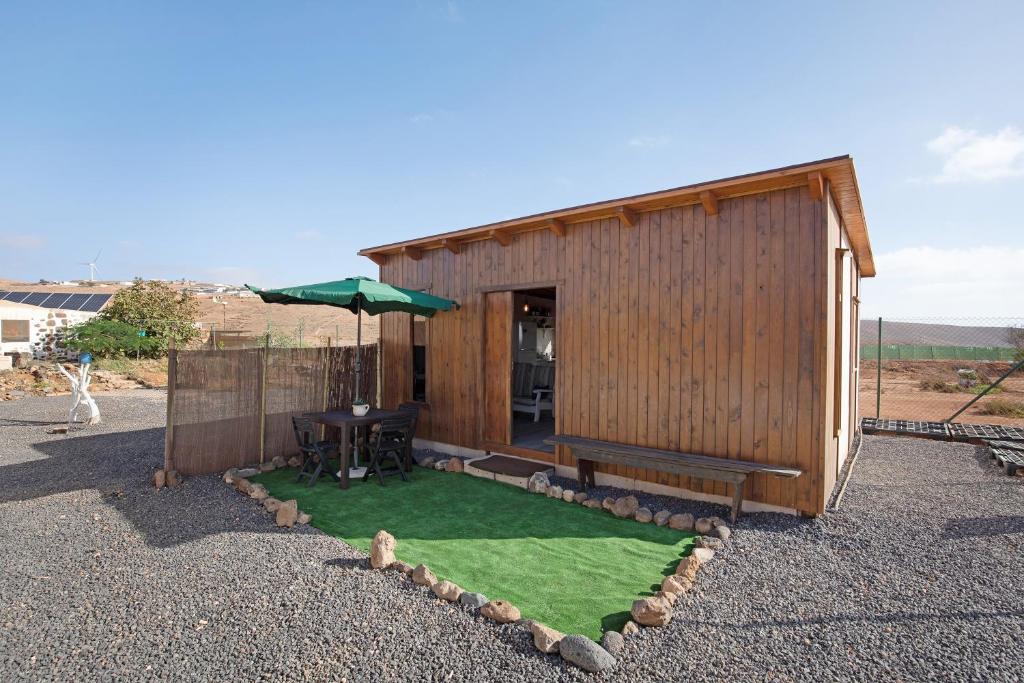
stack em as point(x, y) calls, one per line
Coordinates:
point(88, 303)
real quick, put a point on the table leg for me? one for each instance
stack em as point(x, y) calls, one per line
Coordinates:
point(344, 448)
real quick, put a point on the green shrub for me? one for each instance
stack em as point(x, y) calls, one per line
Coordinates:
point(155, 307)
point(109, 338)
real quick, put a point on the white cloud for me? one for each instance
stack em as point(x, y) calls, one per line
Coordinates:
point(14, 241)
point(649, 141)
point(953, 282)
point(969, 155)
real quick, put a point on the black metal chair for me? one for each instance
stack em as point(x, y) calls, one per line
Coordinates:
point(316, 455)
point(414, 410)
point(394, 437)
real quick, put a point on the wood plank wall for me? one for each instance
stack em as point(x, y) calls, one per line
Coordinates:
point(701, 333)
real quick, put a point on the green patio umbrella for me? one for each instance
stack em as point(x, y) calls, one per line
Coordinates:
point(358, 294)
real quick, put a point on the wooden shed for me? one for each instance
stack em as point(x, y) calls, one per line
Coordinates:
point(718, 318)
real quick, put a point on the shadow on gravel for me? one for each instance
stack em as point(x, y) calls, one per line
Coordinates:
point(973, 527)
point(119, 465)
point(12, 422)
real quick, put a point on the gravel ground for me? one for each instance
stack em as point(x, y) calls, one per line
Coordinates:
point(104, 578)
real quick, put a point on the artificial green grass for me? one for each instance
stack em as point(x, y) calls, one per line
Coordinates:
point(575, 569)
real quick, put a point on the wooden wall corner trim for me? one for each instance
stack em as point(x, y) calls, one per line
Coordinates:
point(557, 226)
point(451, 245)
point(415, 253)
point(710, 202)
point(816, 183)
point(379, 259)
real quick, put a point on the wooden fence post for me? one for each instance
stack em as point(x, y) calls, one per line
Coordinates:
point(263, 395)
point(172, 379)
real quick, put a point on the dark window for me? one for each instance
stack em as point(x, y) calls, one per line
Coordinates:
point(14, 330)
point(420, 333)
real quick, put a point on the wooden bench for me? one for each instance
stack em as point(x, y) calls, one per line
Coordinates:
point(735, 472)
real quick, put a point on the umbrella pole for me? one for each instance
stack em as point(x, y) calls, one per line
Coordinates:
point(359, 342)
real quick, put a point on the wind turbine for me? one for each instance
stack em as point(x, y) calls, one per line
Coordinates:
point(92, 266)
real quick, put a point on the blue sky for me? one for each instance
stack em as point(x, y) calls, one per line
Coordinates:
point(268, 141)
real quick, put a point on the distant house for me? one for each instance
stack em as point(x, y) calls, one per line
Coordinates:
point(715, 319)
point(35, 322)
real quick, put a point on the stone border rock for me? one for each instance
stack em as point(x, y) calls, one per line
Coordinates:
point(286, 513)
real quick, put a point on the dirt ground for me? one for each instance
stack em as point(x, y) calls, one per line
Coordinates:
point(904, 398)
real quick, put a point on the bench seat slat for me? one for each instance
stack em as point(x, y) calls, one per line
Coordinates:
point(638, 455)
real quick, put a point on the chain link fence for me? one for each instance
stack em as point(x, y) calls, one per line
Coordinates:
point(967, 370)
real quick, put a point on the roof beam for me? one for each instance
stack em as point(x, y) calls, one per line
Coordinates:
point(710, 202)
point(557, 226)
point(379, 259)
point(451, 245)
point(415, 253)
point(816, 184)
point(502, 238)
point(626, 215)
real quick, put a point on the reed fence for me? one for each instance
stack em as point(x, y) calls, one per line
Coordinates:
point(228, 408)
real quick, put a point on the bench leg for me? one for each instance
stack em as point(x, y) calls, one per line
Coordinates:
point(737, 498)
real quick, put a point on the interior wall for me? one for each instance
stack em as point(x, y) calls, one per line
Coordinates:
point(690, 332)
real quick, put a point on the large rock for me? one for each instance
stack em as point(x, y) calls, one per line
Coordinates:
point(243, 485)
point(651, 611)
point(258, 492)
point(661, 517)
point(172, 478)
point(288, 513)
point(446, 590)
point(427, 462)
point(722, 531)
point(246, 472)
point(159, 479)
point(279, 461)
point(712, 542)
point(592, 503)
point(625, 506)
point(675, 584)
point(229, 476)
point(554, 492)
point(613, 642)
point(717, 521)
point(267, 467)
point(580, 497)
point(454, 465)
point(688, 567)
point(643, 515)
point(585, 653)
point(401, 567)
point(568, 495)
point(545, 639)
point(423, 576)
point(703, 526)
point(501, 611)
point(295, 461)
point(670, 598)
point(538, 483)
point(705, 555)
point(681, 522)
point(382, 550)
point(303, 518)
point(630, 628)
point(608, 503)
point(473, 600)
point(270, 504)
point(441, 465)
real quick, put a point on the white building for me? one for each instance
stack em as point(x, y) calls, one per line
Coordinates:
point(36, 322)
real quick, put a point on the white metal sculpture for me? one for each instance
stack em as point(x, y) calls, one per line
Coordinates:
point(80, 395)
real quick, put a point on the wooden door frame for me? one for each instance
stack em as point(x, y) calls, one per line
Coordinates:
point(482, 293)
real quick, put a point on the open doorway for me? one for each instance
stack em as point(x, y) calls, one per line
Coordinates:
point(534, 360)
